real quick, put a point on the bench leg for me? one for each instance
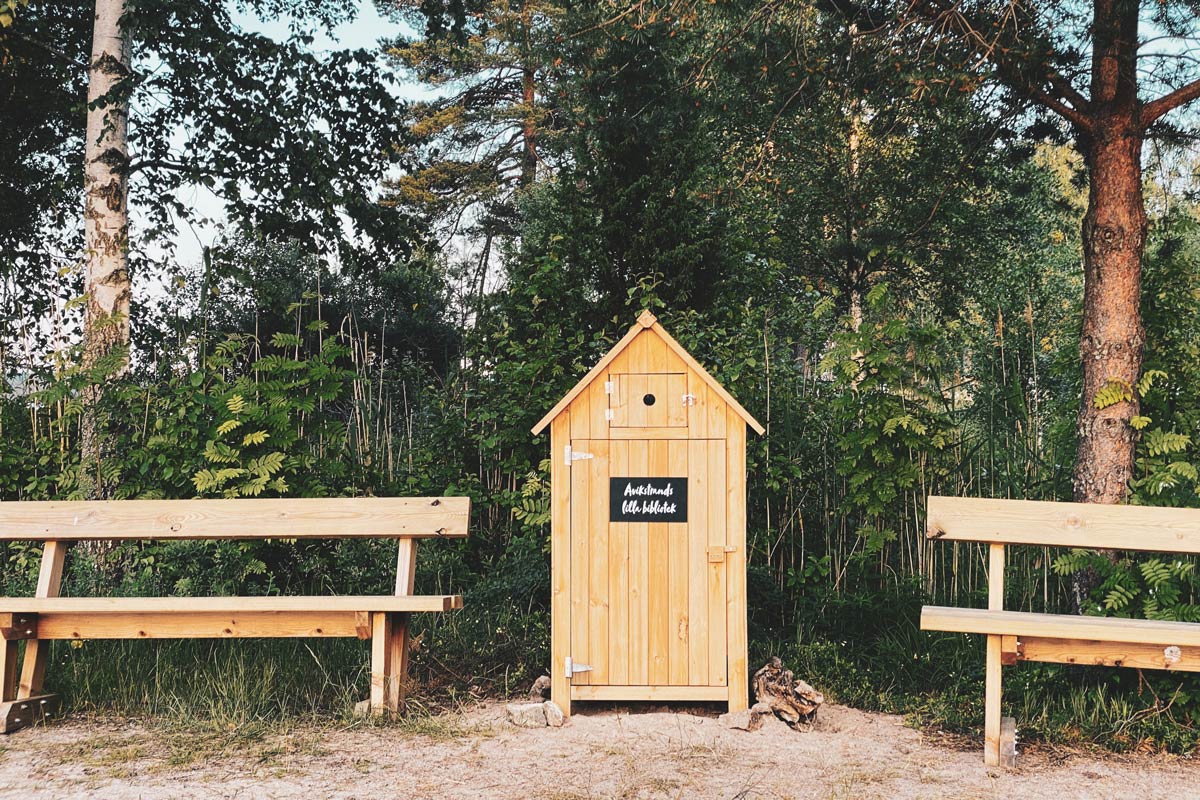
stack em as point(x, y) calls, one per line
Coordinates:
point(398, 683)
point(8, 670)
point(991, 703)
point(381, 663)
point(389, 662)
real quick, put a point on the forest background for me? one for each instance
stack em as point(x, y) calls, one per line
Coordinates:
point(868, 238)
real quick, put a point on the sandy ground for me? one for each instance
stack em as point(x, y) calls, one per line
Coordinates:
point(602, 753)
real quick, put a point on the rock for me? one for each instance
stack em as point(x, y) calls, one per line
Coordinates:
point(541, 689)
point(554, 714)
point(526, 715)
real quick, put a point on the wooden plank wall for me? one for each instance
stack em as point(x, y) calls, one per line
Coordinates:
point(662, 604)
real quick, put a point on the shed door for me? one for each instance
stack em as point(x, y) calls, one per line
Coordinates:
point(648, 598)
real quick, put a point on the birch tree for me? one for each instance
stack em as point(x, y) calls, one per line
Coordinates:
point(106, 228)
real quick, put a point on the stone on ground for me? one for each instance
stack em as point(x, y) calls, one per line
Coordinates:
point(554, 714)
point(526, 715)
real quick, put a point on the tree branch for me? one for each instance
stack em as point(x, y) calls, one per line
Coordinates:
point(1069, 113)
point(1169, 102)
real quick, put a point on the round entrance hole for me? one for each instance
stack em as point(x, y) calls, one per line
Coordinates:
point(648, 399)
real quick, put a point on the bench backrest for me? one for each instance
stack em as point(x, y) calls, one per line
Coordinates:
point(284, 518)
point(1083, 525)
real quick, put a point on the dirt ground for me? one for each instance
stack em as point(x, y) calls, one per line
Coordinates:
point(601, 753)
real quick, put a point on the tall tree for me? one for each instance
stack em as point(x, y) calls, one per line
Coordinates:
point(1094, 71)
point(479, 142)
point(107, 285)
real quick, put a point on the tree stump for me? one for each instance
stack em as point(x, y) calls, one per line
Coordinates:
point(795, 702)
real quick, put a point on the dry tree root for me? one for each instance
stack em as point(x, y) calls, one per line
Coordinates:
point(795, 702)
point(541, 689)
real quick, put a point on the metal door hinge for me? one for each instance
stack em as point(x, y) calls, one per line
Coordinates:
point(609, 387)
point(570, 455)
point(608, 414)
point(573, 668)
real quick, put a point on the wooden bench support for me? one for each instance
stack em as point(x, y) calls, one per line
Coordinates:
point(992, 684)
point(18, 626)
point(17, 714)
point(1008, 742)
point(390, 640)
point(9, 669)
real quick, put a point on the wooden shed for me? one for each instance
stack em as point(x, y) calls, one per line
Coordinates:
point(648, 529)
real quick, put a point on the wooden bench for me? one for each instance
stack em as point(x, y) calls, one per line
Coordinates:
point(1014, 636)
point(383, 619)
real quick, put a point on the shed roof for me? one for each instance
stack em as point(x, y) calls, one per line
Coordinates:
point(647, 321)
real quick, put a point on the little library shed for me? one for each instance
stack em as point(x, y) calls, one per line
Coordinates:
point(648, 529)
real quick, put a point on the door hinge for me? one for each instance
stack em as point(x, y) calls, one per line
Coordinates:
point(570, 455)
point(608, 414)
point(573, 668)
point(609, 387)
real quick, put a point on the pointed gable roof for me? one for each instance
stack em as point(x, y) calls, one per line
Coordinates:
point(647, 321)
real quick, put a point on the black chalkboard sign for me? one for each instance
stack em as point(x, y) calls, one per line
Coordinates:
point(647, 499)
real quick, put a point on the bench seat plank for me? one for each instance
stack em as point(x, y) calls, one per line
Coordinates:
point(249, 518)
point(227, 605)
point(1059, 626)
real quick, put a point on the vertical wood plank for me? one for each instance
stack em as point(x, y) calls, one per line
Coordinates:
point(735, 562)
point(597, 406)
point(37, 651)
point(698, 488)
point(406, 579)
point(580, 417)
point(717, 597)
point(677, 532)
point(8, 670)
point(639, 352)
point(660, 580)
point(639, 577)
point(580, 544)
point(618, 577)
point(657, 385)
point(381, 655)
point(560, 563)
point(717, 412)
point(993, 686)
point(598, 529)
point(677, 412)
point(637, 413)
point(697, 414)
point(655, 352)
point(656, 365)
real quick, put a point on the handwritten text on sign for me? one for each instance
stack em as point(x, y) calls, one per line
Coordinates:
point(647, 499)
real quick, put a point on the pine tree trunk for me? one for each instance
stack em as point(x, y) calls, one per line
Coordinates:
point(1114, 238)
point(106, 229)
point(528, 99)
point(1113, 339)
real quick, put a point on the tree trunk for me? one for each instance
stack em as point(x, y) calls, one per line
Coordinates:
point(1113, 339)
point(106, 229)
point(528, 99)
point(1114, 238)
